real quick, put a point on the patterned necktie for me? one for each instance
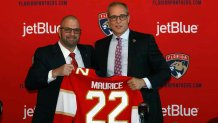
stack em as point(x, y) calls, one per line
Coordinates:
point(73, 62)
point(117, 63)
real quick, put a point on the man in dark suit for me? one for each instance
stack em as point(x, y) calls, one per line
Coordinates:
point(51, 63)
point(130, 53)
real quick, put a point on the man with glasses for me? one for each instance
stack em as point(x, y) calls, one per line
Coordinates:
point(130, 53)
point(51, 63)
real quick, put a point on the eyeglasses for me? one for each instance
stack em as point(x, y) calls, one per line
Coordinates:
point(69, 30)
point(122, 17)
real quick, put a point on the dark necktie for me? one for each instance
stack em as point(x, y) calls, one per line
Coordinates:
point(73, 62)
point(117, 62)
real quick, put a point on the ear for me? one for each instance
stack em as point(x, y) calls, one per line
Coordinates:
point(183, 62)
point(128, 19)
point(59, 31)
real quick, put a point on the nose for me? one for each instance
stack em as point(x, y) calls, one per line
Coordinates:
point(72, 32)
point(118, 20)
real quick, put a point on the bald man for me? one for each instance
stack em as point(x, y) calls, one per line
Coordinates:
point(51, 63)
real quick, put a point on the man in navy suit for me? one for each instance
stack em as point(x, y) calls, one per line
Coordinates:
point(51, 63)
point(130, 53)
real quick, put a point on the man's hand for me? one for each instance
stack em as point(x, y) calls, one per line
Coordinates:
point(136, 84)
point(64, 70)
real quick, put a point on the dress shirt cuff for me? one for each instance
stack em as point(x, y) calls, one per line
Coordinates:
point(148, 83)
point(50, 78)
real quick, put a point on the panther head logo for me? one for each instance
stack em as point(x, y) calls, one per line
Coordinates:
point(103, 23)
point(179, 68)
point(178, 64)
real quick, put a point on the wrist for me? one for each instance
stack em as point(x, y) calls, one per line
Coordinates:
point(143, 84)
point(54, 73)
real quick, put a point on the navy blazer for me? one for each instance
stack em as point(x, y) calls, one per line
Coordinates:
point(144, 60)
point(45, 59)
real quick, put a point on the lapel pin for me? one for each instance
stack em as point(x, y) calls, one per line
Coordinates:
point(133, 40)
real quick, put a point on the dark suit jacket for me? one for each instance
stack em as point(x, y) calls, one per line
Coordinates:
point(144, 60)
point(46, 59)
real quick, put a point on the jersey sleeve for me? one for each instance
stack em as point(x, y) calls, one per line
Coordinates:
point(66, 104)
point(134, 115)
point(136, 101)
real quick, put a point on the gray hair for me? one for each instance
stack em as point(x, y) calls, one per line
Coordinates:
point(117, 4)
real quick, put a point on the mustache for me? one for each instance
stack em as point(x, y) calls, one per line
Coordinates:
point(74, 37)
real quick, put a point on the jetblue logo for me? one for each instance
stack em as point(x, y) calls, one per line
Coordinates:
point(175, 110)
point(176, 27)
point(178, 64)
point(39, 28)
point(103, 23)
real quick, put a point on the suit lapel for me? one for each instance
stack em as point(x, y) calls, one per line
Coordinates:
point(58, 55)
point(84, 55)
point(131, 51)
point(104, 56)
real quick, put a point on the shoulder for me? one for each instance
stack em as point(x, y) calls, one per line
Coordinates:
point(141, 37)
point(140, 34)
point(103, 40)
point(85, 47)
point(48, 48)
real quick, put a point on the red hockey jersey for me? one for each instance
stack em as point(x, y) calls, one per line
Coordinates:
point(86, 98)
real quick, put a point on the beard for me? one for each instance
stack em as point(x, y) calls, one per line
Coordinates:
point(70, 41)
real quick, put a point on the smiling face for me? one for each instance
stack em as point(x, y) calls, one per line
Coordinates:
point(118, 19)
point(69, 33)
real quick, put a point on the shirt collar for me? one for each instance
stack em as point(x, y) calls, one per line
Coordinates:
point(65, 51)
point(124, 36)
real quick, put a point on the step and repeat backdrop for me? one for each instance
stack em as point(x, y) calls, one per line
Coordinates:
point(185, 31)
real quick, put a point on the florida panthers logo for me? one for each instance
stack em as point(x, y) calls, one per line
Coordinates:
point(103, 23)
point(178, 64)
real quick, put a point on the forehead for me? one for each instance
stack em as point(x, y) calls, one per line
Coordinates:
point(117, 10)
point(72, 23)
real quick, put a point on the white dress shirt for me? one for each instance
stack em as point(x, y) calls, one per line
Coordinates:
point(124, 56)
point(68, 59)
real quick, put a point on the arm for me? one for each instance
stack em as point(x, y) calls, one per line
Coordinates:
point(159, 68)
point(150, 67)
point(37, 76)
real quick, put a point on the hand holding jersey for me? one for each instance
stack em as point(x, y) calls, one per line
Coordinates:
point(66, 69)
point(136, 84)
point(63, 70)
